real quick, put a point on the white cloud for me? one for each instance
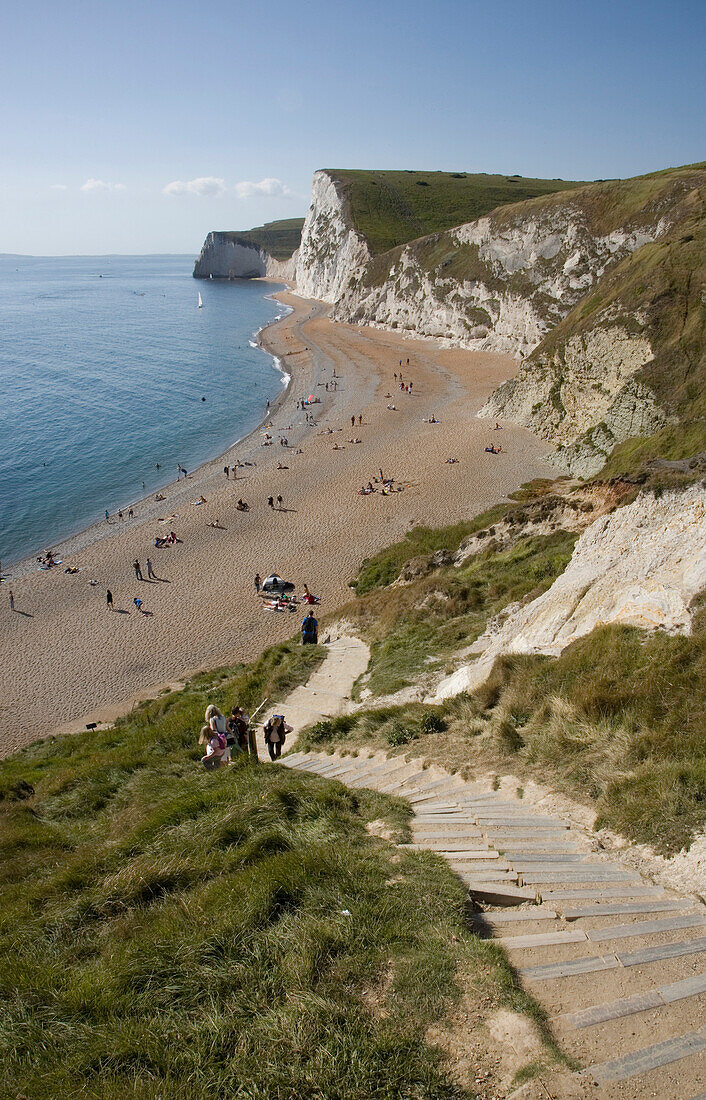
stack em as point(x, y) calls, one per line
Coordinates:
point(271, 188)
point(203, 186)
point(58, 187)
point(100, 185)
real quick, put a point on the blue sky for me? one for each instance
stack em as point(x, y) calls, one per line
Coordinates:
point(235, 104)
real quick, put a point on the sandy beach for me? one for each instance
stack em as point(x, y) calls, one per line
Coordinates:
point(67, 660)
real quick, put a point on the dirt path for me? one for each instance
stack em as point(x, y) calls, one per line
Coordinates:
point(326, 693)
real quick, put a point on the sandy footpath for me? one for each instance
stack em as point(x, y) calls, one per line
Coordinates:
point(65, 659)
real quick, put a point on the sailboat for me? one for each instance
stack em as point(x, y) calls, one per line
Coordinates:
point(200, 302)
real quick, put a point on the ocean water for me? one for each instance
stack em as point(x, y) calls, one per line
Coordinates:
point(104, 362)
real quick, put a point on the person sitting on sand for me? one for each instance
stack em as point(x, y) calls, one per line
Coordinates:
point(160, 496)
point(451, 461)
point(493, 450)
point(498, 427)
point(214, 523)
point(392, 408)
point(281, 466)
point(172, 537)
point(242, 506)
point(308, 597)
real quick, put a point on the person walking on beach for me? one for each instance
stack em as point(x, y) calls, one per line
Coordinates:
point(310, 629)
point(226, 471)
point(279, 502)
point(12, 600)
point(109, 600)
point(151, 575)
point(352, 422)
point(138, 570)
point(258, 583)
point(360, 420)
point(271, 501)
point(107, 516)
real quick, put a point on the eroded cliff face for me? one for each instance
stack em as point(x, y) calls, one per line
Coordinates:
point(332, 252)
point(497, 284)
point(584, 396)
point(641, 565)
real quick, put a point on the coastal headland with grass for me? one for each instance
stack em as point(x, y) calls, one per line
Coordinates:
point(514, 546)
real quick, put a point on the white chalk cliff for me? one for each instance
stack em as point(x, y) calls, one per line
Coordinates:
point(641, 565)
point(331, 252)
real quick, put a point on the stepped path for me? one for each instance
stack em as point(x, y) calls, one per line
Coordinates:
point(327, 691)
point(618, 963)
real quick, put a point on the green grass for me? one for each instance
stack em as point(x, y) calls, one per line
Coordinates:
point(170, 932)
point(384, 567)
point(414, 627)
point(280, 238)
point(390, 208)
point(618, 720)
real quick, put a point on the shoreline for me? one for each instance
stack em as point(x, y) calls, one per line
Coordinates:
point(84, 664)
point(83, 537)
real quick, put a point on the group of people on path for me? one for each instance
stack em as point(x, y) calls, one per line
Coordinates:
point(226, 737)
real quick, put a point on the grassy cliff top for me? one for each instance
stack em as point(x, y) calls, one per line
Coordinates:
point(390, 208)
point(280, 239)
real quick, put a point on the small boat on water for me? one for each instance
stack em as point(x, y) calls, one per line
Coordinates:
point(200, 302)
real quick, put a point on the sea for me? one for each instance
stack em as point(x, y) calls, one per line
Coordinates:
point(110, 376)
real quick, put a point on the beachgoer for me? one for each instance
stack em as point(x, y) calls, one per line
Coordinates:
point(138, 603)
point(276, 730)
point(109, 600)
point(131, 514)
point(352, 422)
point(138, 570)
point(310, 630)
point(120, 515)
point(258, 582)
point(217, 724)
point(151, 575)
point(271, 501)
point(360, 419)
point(12, 600)
point(226, 471)
point(279, 501)
point(237, 736)
point(107, 516)
point(216, 747)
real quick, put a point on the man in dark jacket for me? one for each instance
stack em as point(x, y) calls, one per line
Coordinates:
point(310, 630)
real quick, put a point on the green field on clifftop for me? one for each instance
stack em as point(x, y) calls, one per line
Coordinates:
point(390, 208)
point(280, 239)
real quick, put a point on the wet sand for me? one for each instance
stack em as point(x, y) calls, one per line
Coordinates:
point(67, 660)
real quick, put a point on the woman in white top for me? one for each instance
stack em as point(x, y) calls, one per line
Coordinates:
point(217, 724)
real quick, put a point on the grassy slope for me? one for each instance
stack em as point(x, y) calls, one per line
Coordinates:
point(390, 208)
point(171, 932)
point(280, 239)
point(414, 627)
point(619, 719)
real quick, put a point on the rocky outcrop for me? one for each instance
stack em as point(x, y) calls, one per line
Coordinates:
point(226, 256)
point(332, 251)
point(584, 395)
point(641, 565)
